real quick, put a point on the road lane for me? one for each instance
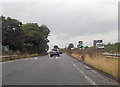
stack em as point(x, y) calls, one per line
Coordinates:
point(45, 70)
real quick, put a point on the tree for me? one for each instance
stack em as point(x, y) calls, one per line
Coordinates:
point(44, 30)
point(86, 47)
point(70, 46)
point(112, 48)
point(12, 33)
point(45, 33)
point(55, 47)
point(30, 37)
point(36, 37)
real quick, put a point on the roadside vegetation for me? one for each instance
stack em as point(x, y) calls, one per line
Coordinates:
point(95, 58)
point(15, 57)
point(113, 48)
point(23, 40)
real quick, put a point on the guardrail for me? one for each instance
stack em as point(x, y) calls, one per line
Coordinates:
point(110, 54)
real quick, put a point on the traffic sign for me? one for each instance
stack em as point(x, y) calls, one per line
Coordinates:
point(6, 48)
point(80, 44)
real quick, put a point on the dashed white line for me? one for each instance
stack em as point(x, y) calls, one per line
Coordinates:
point(90, 80)
point(74, 65)
point(87, 67)
point(96, 73)
point(93, 71)
point(35, 58)
point(51, 58)
point(86, 77)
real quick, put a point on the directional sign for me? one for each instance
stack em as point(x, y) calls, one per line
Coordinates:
point(80, 44)
point(6, 48)
point(96, 41)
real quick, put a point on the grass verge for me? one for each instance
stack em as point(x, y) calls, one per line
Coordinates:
point(19, 57)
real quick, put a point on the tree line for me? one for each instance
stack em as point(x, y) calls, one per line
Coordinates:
point(111, 48)
point(26, 38)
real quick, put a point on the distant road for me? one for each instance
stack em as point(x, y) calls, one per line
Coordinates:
point(45, 70)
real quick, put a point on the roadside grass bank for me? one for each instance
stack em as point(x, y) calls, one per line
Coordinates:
point(20, 57)
point(108, 65)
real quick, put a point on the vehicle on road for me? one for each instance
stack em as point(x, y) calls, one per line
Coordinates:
point(54, 52)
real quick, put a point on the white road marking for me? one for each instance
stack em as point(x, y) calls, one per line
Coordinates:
point(90, 80)
point(96, 73)
point(56, 58)
point(19, 60)
point(86, 77)
point(51, 58)
point(87, 67)
point(16, 60)
point(35, 58)
point(82, 72)
point(101, 76)
point(59, 57)
point(74, 65)
point(93, 71)
point(7, 62)
point(25, 59)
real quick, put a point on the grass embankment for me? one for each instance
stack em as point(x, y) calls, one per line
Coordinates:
point(108, 65)
point(18, 57)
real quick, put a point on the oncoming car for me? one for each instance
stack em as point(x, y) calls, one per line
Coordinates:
point(54, 52)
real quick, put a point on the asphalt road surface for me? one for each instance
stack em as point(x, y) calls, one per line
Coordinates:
point(45, 70)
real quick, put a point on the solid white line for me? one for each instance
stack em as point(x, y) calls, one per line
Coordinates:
point(25, 59)
point(7, 62)
point(18, 60)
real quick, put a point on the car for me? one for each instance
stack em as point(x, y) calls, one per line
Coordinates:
point(54, 52)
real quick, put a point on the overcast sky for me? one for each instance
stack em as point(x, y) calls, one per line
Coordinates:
point(69, 20)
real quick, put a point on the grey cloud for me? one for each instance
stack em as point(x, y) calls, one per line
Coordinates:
point(67, 19)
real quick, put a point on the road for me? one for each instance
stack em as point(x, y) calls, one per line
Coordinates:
point(45, 70)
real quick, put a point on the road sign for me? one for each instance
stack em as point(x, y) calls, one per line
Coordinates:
point(96, 41)
point(80, 44)
point(100, 45)
point(6, 48)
